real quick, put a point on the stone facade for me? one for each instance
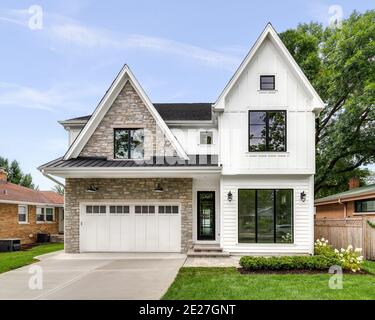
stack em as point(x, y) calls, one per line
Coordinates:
point(127, 111)
point(179, 189)
point(10, 228)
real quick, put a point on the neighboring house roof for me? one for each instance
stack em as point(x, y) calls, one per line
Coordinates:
point(14, 193)
point(270, 32)
point(353, 194)
point(173, 112)
point(122, 78)
point(95, 162)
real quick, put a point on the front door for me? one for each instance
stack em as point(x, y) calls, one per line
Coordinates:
point(206, 215)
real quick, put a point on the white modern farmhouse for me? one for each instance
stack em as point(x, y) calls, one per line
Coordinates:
point(233, 176)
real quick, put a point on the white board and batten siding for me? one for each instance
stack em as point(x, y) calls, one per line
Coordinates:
point(289, 95)
point(130, 231)
point(303, 218)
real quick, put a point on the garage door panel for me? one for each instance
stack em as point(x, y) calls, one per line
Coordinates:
point(118, 228)
point(152, 231)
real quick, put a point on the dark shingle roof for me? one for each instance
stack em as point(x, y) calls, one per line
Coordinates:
point(184, 111)
point(176, 112)
point(95, 162)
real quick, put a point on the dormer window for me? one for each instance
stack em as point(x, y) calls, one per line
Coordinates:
point(267, 82)
point(128, 144)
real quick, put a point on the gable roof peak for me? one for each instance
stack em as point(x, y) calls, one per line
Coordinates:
point(104, 105)
point(270, 31)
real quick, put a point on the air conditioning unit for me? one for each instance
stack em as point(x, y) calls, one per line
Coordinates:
point(7, 245)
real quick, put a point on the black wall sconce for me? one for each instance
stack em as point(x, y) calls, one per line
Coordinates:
point(158, 188)
point(230, 196)
point(303, 196)
point(92, 189)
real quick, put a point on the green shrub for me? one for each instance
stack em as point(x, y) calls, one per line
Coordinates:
point(288, 263)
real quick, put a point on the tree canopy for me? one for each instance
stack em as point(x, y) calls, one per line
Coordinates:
point(340, 63)
point(15, 174)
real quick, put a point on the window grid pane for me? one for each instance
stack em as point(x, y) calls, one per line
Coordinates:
point(267, 131)
point(265, 215)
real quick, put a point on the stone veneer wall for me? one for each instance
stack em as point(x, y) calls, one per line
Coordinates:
point(179, 189)
point(127, 111)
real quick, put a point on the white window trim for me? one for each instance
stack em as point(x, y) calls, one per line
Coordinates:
point(205, 144)
point(45, 214)
point(26, 211)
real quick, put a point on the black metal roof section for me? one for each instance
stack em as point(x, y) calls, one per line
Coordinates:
point(176, 112)
point(99, 162)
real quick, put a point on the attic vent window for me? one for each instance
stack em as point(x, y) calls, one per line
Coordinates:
point(267, 82)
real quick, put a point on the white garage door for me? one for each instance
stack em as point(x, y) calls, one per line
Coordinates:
point(114, 227)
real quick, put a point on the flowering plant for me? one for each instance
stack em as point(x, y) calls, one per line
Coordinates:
point(350, 259)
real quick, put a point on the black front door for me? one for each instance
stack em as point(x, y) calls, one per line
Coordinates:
point(206, 215)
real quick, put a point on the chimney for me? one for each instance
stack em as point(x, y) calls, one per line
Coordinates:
point(353, 183)
point(3, 175)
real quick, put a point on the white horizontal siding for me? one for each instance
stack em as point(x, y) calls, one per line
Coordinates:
point(303, 214)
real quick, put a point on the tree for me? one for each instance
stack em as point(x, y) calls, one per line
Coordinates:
point(340, 63)
point(59, 189)
point(15, 174)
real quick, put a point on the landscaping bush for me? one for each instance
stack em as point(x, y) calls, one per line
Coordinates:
point(288, 263)
point(325, 257)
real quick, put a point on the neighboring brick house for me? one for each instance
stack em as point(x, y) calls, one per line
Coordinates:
point(236, 175)
point(26, 212)
point(356, 201)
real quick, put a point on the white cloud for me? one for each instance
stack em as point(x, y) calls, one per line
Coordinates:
point(52, 99)
point(64, 30)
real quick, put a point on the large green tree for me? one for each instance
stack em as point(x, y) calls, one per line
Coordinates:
point(340, 63)
point(15, 174)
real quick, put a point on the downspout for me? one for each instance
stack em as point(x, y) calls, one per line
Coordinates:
point(344, 204)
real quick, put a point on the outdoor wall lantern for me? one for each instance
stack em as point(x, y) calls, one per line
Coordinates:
point(92, 188)
point(158, 188)
point(303, 196)
point(230, 196)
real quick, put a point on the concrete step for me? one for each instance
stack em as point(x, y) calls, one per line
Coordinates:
point(207, 248)
point(207, 254)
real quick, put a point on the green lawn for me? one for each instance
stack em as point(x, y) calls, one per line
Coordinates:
point(17, 259)
point(228, 283)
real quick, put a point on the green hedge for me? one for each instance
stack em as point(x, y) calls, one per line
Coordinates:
point(318, 262)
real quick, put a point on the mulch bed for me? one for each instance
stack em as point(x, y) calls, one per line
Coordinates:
point(296, 271)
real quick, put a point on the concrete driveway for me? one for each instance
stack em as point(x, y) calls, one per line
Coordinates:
point(93, 276)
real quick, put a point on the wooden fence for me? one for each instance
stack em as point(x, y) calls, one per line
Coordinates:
point(348, 231)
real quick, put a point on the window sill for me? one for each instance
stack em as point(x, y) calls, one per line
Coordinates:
point(268, 154)
point(45, 222)
point(363, 213)
point(19, 222)
point(206, 145)
point(268, 91)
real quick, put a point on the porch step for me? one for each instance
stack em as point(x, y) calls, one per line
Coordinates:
point(207, 250)
point(206, 254)
point(57, 238)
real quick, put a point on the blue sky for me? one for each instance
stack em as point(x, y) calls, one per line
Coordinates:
point(180, 51)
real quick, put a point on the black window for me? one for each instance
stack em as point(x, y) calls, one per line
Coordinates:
point(206, 137)
point(128, 144)
point(267, 82)
point(365, 205)
point(265, 216)
point(267, 131)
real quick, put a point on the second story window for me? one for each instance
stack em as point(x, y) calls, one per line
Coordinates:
point(128, 144)
point(267, 82)
point(267, 131)
point(206, 137)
